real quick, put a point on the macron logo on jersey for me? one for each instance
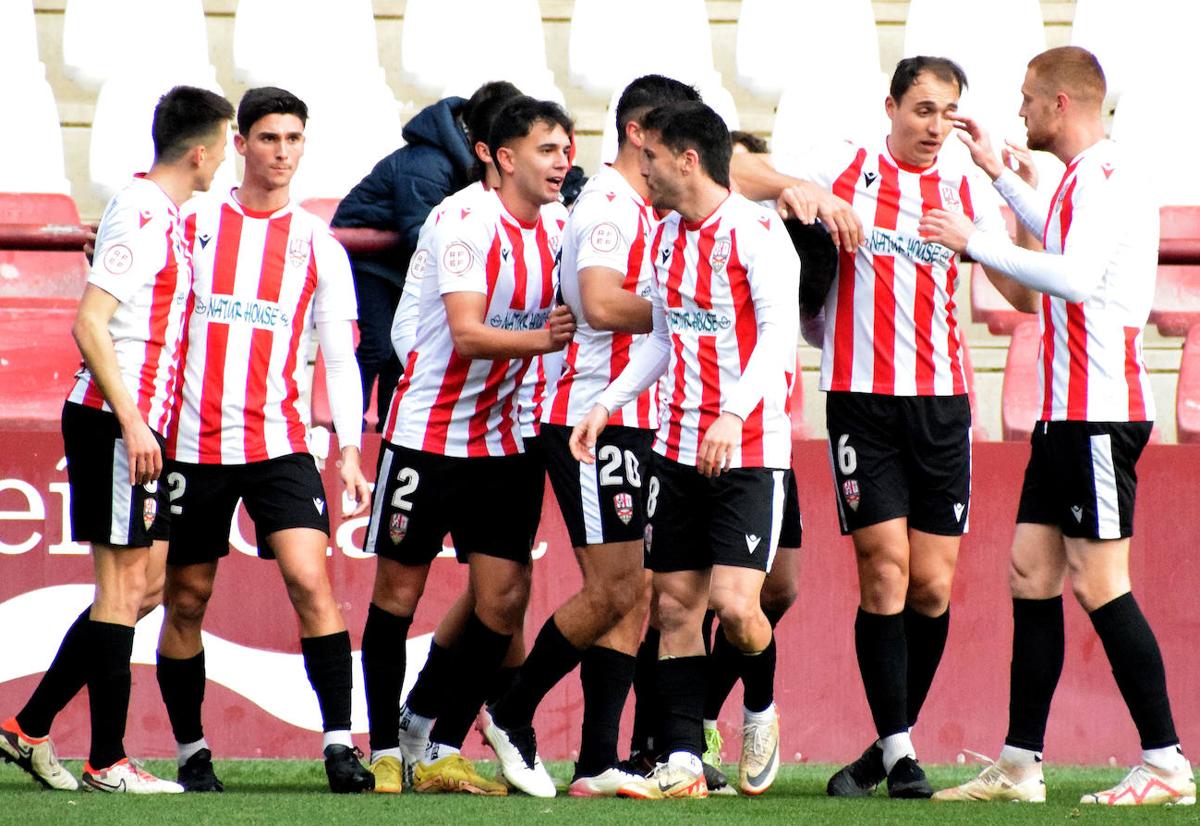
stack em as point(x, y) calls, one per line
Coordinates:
point(869, 178)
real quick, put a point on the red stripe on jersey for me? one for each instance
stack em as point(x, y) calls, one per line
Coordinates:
point(953, 346)
point(229, 238)
point(92, 397)
point(547, 257)
point(746, 326)
point(710, 368)
point(1065, 215)
point(562, 396)
point(887, 211)
point(177, 369)
point(1047, 357)
point(438, 427)
point(492, 268)
point(401, 388)
point(270, 282)
point(964, 195)
point(1054, 200)
point(923, 300)
point(704, 245)
point(1133, 375)
point(477, 426)
point(295, 426)
point(679, 388)
point(843, 327)
point(1077, 382)
point(520, 271)
point(161, 298)
point(508, 442)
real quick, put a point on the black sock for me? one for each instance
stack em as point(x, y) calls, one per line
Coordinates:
point(429, 691)
point(1039, 643)
point(476, 656)
point(645, 698)
point(680, 686)
point(110, 646)
point(551, 658)
point(328, 664)
point(1138, 668)
point(774, 615)
point(181, 683)
point(502, 683)
point(883, 662)
point(706, 629)
point(758, 677)
point(383, 660)
point(606, 676)
point(64, 678)
point(926, 640)
point(724, 669)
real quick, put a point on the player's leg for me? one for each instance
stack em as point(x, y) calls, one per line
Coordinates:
point(932, 559)
point(643, 753)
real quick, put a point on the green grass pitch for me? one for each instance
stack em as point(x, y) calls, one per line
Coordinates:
point(294, 792)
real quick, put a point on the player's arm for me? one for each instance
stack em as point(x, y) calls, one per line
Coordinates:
point(408, 309)
point(609, 306)
point(474, 339)
point(758, 180)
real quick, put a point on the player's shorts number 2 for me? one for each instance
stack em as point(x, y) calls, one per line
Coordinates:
point(408, 480)
point(610, 466)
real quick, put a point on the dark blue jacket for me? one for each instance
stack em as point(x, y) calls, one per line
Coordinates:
point(403, 188)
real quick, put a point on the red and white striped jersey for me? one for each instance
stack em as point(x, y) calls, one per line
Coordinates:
point(890, 325)
point(141, 261)
point(1093, 367)
point(727, 315)
point(262, 282)
point(610, 226)
point(452, 406)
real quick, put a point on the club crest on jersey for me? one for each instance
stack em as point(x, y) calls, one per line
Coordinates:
point(950, 199)
point(720, 254)
point(149, 511)
point(623, 502)
point(850, 493)
point(297, 253)
point(647, 536)
point(397, 527)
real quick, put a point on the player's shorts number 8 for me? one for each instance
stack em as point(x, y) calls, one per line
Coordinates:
point(847, 458)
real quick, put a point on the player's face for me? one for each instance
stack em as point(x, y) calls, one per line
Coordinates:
point(538, 162)
point(214, 156)
point(272, 150)
point(922, 119)
point(661, 169)
point(1038, 104)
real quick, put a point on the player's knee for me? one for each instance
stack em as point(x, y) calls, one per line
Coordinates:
point(778, 599)
point(669, 611)
point(740, 615)
point(185, 606)
point(309, 589)
point(616, 596)
point(502, 607)
point(930, 595)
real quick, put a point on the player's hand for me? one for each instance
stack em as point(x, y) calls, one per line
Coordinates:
point(1020, 160)
point(807, 201)
point(716, 449)
point(560, 327)
point(89, 244)
point(357, 489)
point(145, 457)
point(583, 437)
point(946, 228)
point(979, 145)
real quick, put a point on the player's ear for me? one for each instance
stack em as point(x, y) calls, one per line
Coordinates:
point(633, 133)
point(239, 143)
point(504, 159)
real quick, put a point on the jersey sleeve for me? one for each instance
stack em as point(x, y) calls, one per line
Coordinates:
point(459, 251)
point(131, 249)
point(985, 203)
point(602, 235)
point(335, 298)
point(821, 164)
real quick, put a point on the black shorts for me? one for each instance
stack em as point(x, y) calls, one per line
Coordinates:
point(1082, 477)
point(901, 456)
point(695, 522)
point(281, 493)
point(601, 502)
point(489, 505)
point(105, 507)
point(792, 531)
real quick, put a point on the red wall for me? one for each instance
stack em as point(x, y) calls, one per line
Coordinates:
point(825, 716)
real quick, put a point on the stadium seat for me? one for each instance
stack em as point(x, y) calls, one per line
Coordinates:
point(1176, 305)
point(38, 358)
point(448, 47)
point(103, 39)
point(275, 41)
point(988, 306)
point(18, 39)
point(1021, 397)
point(121, 144)
point(771, 33)
point(37, 279)
point(31, 147)
point(716, 96)
point(1118, 34)
point(322, 207)
point(1187, 398)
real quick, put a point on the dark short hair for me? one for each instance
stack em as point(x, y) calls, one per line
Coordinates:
point(257, 103)
point(694, 125)
point(185, 116)
point(478, 112)
point(753, 143)
point(516, 118)
point(646, 93)
point(908, 69)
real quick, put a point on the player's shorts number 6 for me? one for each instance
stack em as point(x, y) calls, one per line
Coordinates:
point(846, 457)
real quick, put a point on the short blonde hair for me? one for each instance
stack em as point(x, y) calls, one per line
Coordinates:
point(1073, 70)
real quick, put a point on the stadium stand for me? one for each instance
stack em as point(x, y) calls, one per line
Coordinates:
point(1176, 308)
point(277, 40)
point(40, 279)
point(322, 207)
point(18, 39)
point(104, 39)
point(31, 155)
point(1116, 33)
point(1187, 396)
point(715, 96)
point(1021, 398)
point(37, 359)
point(1159, 139)
point(856, 116)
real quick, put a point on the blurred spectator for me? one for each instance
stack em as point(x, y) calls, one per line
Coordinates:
point(746, 142)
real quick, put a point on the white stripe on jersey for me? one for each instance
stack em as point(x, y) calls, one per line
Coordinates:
point(452, 406)
point(141, 261)
point(610, 226)
point(262, 281)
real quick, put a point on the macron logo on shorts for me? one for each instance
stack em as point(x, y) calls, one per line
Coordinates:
point(959, 507)
point(752, 542)
point(319, 504)
point(1077, 512)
